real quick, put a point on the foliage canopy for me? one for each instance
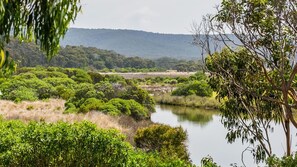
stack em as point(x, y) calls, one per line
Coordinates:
point(45, 22)
point(256, 72)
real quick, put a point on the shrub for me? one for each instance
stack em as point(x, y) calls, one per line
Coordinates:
point(198, 76)
point(114, 78)
point(22, 93)
point(48, 74)
point(81, 76)
point(60, 81)
point(70, 108)
point(122, 105)
point(91, 104)
point(164, 139)
point(61, 144)
point(96, 77)
point(27, 75)
point(85, 90)
point(199, 88)
point(141, 96)
point(110, 109)
point(138, 112)
point(130, 107)
point(64, 92)
point(106, 88)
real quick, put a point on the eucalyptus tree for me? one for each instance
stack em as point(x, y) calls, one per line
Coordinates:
point(255, 74)
point(42, 21)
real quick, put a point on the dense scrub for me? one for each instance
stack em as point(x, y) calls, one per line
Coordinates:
point(79, 144)
point(83, 91)
point(195, 85)
point(198, 88)
point(168, 141)
point(192, 91)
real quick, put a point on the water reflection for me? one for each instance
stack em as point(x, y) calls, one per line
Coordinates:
point(196, 115)
point(207, 136)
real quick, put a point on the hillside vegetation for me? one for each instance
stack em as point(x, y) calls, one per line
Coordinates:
point(29, 55)
point(134, 43)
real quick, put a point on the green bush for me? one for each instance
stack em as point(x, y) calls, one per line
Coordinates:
point(130, 107)
point(61, 144)
point(81, 76)
point(60, 81)
point(164, 139)
point(96, 77)
point(110, 109)
point(48, 74)
point(70, 108)
point(37, 87)
point(22, 93)
point(91, 104)
point(85, 90)
point(198, 76)
point(199, 88)
point(139, 95)
point(106, 88)
point(64, 92)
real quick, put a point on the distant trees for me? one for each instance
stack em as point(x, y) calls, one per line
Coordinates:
point(256, 72)
point(179, 65)
point(28, 55)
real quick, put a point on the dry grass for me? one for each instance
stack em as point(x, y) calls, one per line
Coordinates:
point(52, 111)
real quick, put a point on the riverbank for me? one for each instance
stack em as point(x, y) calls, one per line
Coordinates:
point(188, 101)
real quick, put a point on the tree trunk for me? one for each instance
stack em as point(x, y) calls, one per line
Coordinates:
point(288, 137)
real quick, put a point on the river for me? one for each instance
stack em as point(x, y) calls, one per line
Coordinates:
point(206, 135)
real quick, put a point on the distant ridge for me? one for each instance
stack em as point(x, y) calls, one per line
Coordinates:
point(134, 42)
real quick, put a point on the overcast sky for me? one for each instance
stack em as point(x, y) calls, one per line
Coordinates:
point(164, 16)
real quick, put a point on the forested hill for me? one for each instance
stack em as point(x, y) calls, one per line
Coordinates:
point(134, 43)
point(29, 55)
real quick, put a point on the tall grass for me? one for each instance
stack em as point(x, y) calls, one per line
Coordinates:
point(188, 101)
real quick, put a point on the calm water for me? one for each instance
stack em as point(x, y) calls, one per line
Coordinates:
point(206, 135)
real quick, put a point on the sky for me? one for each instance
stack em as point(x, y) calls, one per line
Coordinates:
point(163, 16)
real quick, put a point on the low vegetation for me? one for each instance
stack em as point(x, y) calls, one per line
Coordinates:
point(193, 91)
point(83, 91)
point(63, 144)
point(188, 101)
point(52, 111)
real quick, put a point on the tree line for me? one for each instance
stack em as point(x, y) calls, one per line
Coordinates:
point(29, 55)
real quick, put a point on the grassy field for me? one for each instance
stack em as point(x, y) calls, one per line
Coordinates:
point(151, 74)
point(52, 111)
